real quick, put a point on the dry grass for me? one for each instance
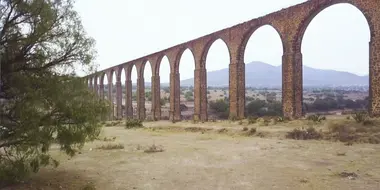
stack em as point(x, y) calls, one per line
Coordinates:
point(351, 131)
point(223, 157)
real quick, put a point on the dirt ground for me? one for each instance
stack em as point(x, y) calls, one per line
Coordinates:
point(211, 160)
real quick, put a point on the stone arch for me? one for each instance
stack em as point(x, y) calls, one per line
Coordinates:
point(207, 47)
point(300, 31)
point(247, 36)
point(156, 70)
point(179, 56)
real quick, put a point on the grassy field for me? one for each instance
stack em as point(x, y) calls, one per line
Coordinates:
point(214, 155)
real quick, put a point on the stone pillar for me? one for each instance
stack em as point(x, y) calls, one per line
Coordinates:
point(175, 112)
point(241, 90)
point(156, 98)
point(119, 101)
point(288, 91)
point(96, 89)
point(233, 89)
point(110, 99)
point(90, 87)
point(203, 95)
point(177, 98)
point(298, 85)
point(140, 98)
point(128, 98)
point(374, 77)
point(197, 95)
point(101, 90)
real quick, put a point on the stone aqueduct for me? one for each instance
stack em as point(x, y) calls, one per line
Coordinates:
point(290, 23)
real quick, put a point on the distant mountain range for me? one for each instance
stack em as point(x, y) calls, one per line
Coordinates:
point(259, 74)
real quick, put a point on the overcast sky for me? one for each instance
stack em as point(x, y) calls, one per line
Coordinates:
point(124, 30)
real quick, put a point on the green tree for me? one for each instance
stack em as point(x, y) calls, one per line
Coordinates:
point(42, 42)
point(148, 96)
point(220, 107)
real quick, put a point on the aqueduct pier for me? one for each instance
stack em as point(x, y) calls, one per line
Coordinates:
point(290, 23)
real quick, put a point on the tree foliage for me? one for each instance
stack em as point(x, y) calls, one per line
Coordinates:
point(42, 42)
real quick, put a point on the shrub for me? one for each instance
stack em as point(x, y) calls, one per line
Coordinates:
point(360, 117)
point(245, 128)
point(240, 122)
point(153, 149)
point(316, 118)
point(133, 123)
point(111, 146)
point(233, 118)
point(251, 132)
point(252, 119)
point(222, 130)
point(302, 134)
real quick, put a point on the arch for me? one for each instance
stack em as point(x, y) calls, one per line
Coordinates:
point(207, 48)
point(252, 31)
point(163, 88)
point(185, 55)
point(180, 55)
point(161, 58)
point(250, 34)
point(143, 65)
point(133, 73)
point(305, 23)
point(328, 54)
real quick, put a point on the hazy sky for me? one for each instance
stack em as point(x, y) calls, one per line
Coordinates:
point(124, 30)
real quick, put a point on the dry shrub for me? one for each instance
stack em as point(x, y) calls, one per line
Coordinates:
point(111, 146)
point(154, 149)
point(223, 130)
point(133, 123)
point(245, 128)
point(360, 116)
point(251, 132)
point(316, 118)
point(350, 131)
point(89, 186)
point(302, 134)
point(106, 139)
point(196, 129)
point(264, 121)
point(252, 119)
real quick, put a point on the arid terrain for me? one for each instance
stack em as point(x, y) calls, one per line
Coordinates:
point(213, 155)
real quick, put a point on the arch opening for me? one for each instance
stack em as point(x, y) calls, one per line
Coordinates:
point(217, 68)
point(134, 90)
point(113, 93)
point(186, 73)
point(148, 89)
point(263, 72)
point(98, 83)
point(164, 72)
point(335, 52)
point(123, 93)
